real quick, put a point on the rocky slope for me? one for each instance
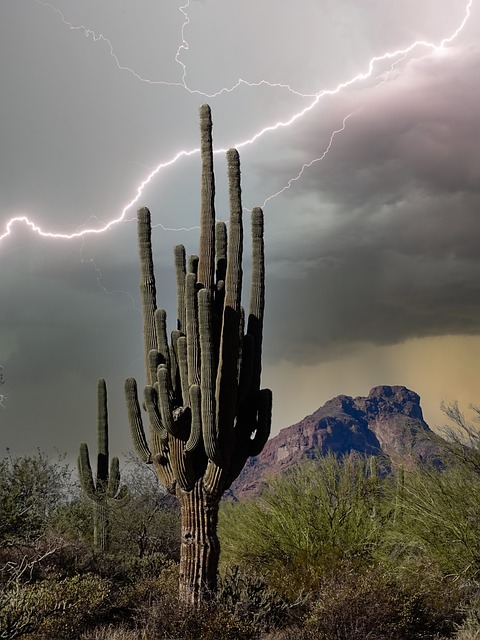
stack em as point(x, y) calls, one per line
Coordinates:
point(389, 422)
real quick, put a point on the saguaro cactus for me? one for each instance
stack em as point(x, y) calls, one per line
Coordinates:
point(206, 411)
point(105, 490)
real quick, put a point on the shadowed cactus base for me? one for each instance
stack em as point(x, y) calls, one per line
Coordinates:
point(105, 490)
point(206, 411)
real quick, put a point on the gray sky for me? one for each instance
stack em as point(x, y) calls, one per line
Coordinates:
point(373, 260)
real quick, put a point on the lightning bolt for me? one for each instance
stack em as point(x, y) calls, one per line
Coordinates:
point(182, 47)
point(99, 278)
point(393, 56)
point(307, 165)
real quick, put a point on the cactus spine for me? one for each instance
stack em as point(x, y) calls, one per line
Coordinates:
point(206, 411)
point(104, 491)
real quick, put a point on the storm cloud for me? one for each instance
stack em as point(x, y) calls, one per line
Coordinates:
point(385, 246)
point(371, 248)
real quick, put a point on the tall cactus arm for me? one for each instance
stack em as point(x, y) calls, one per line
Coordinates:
point(135, 421)
point(194, 441)
point(182, 359)
point(113, 478)
point(207, 207)
point(233, 277)
point(102, 434)
point(193, 345)
point(261, 434)
point(180, 271)
point(253, 423)
point(193, 265)
point(161, 457)
point(147, 285)
point(162, 340)
point(175, 373)
point(220, 251)
point(153, 363)
point(257, 293)
point(249, 403)
point(208, 402)
point(227, 375)
point(85, 472)
point(118, 495)
point(251, 434)
point(246, 368)
point(151, 404)
point(221, 266)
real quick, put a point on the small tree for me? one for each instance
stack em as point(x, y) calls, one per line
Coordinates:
point(32, 488)
point(441, 505)
point(463, 437)
point(206, 410)
point(151, 524)
point(309, 522)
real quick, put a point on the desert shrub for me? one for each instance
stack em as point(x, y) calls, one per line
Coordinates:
point(52, 609)
point(469, 627)
point(110, 632)
point(249, 598)
point(168, 619)
point(73, 520)
point(159, 614)
point(308, 522)
point(31, 490)
point(46, 558)
point(149, 566)
point(150, 522)
point(358, 605)
point(439, 521)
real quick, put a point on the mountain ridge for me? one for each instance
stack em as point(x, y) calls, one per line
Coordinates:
point(388, 422)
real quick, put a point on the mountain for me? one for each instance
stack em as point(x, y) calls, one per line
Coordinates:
point(388, 422)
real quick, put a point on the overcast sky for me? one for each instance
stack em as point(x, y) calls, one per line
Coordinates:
point(373, 273)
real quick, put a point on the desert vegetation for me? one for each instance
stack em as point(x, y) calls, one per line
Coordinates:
point(336, 548)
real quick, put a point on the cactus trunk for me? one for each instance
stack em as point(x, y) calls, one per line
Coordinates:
point(199, 546)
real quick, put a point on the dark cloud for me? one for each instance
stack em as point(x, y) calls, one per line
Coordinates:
point(376, 243)
point(390, 250)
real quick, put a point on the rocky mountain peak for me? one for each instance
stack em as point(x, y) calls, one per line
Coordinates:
point(389, 421)
point(384, 400)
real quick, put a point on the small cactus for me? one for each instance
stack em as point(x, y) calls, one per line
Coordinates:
point(105, 490)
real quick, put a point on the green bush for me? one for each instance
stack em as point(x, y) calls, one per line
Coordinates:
point(357, 605)
point(159, 614)
point(249, 598)
point(52, 609)
point(111, 632)
point(440, 521)
point(470, 627)
point(316, 517)
point(31, 490)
